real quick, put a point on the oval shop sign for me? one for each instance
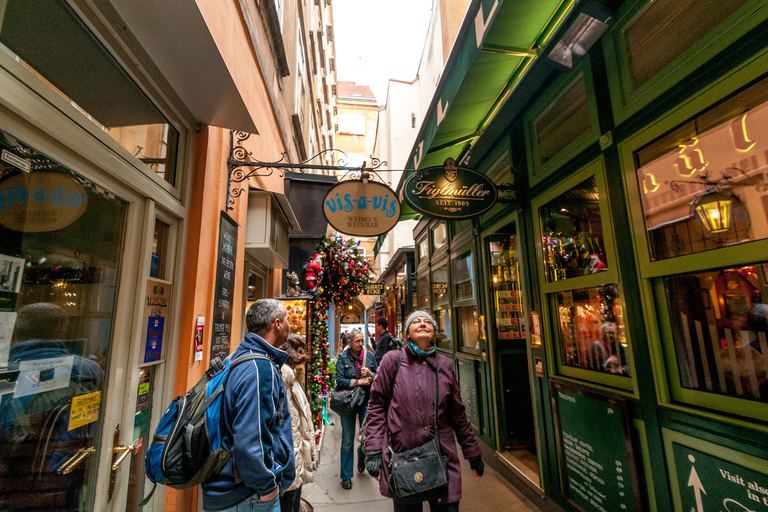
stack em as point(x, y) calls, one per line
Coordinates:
point(361, 209)
point(449, 192)
point(41, 201)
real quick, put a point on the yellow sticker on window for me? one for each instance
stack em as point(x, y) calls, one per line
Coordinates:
point(84, 410)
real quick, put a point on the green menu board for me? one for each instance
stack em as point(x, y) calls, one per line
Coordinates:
point(596, 460)
point(468, 389)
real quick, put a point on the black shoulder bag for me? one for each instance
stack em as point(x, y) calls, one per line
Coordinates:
point(419, 474)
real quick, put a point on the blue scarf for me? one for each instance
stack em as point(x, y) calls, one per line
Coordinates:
point(421, 353)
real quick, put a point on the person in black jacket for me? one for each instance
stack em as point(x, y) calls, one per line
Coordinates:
point(383, 345)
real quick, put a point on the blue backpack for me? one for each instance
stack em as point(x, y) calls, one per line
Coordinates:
point(186, 449)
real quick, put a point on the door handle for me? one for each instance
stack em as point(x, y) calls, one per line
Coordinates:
point(119, 454)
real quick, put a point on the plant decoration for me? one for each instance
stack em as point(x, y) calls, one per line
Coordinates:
point(344, 273)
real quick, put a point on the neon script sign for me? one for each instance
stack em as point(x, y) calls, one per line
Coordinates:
point(361, 209)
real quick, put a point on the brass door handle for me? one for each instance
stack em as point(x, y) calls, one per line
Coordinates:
point(123, 452)
point(69, 464)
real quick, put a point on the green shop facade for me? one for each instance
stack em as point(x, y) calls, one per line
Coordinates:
point(608, 317)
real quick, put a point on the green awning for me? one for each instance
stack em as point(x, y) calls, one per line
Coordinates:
point(495, 48)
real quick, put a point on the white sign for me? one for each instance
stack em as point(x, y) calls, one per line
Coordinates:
point(7, 322)
point(43, 375)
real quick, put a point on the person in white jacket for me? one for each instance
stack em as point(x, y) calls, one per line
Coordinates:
point(304, 445)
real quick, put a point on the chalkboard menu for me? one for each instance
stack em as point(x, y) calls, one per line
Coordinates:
point(225, 287)
point(595, 450)
point(468, 389)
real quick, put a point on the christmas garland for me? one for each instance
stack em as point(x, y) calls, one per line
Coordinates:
point(344, 273)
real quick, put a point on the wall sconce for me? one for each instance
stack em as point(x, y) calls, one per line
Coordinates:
point(717, 207)
point(586, 29)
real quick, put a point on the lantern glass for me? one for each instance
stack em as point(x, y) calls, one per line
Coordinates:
point(715, 212)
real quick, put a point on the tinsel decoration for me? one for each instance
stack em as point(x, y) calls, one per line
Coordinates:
point(345, 272)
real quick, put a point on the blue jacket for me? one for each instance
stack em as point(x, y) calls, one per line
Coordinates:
point(257, 430)
point(345, 370)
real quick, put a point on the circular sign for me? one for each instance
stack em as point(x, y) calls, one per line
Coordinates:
point(361, 209)
point(41, 201)
point(449, 192)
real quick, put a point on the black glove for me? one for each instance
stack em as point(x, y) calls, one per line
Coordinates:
point(476, 463)
point(373, 463)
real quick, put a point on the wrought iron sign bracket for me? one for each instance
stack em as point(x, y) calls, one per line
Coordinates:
point(242, 166)
point(507, 187)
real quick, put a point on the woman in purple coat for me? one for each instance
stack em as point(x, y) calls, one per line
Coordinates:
point(405, 416)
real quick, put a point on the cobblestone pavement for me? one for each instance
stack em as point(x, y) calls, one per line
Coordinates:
point(492, 493)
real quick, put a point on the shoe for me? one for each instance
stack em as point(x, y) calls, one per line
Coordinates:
point(346, 484)
point(360, 464)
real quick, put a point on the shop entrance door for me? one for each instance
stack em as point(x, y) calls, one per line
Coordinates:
point(515, 415)
point(68, 260)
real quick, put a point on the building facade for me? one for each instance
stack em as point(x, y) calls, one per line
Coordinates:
point(131, 245)
point(607, 316)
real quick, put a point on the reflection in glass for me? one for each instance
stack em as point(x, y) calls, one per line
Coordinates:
point(572, 233)
point(440, 285)
point(505, 279)
point(58, 286)
point(443, 335)
point(716, 163)
point(591, 330)
point(422, 289)
point(463, 278)
point(720, 330)
point(439, 236)
point(469, 327)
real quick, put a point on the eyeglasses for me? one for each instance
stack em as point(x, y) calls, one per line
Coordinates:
point(422, 320)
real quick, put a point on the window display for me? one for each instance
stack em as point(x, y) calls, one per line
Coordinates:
point(505, 279)
point(463, 278)
point(422, 289)
point(720, 329)
point(443, 335)
point(572, 233)
point(469, 327)
point(591, 330)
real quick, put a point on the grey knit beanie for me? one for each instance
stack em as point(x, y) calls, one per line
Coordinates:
point(418, 314)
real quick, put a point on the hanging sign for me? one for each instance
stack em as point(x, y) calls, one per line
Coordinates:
point(373, 289)
point(41, 201)
point(449, 192)
point(361, 209)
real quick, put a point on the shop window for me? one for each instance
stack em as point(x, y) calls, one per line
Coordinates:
point(703, 185)
point(443, 336)
point(422, 288)
point(440, 285)
point(720, 330)
point(159, 250)
point(469, 327)
point(463, 278)
point(423, 249)
point(667, 29)
point(563, 121)
point(590, 327)
point(439, 236)
point(572, 233)
point(505, 279)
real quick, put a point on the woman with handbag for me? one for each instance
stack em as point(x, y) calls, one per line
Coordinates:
point(415, 409)
point(304, 445)
point(355, 367)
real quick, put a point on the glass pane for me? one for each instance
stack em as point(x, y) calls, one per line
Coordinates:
point(702, 187)
point(469, 328)
point(463, 278)
point(61, 239)
point(719, 330)
point(423, 292)
point(443, 335)
point(507, 298)
point(137, 482)
point(572, 233)
point(667, 29)
point(423, 249)
point(562, 122)
point(159, 249)
point(440, 285)
point(591, 330)
point(439, 236)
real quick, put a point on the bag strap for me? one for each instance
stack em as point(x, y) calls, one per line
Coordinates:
point(394, 379)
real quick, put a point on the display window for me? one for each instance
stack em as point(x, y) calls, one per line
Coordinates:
point(469, 328)
point(422, 291)
point(509, 313)
point(443, 336)
point(439, 236)
point(463, 278)
point(440, 290)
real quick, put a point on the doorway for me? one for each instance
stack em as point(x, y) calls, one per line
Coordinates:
point(515, 414)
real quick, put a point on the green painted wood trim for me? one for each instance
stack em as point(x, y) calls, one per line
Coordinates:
point(737, 254)
point(645, 455)
point(734, 457)
point(627, 102)
point(537, 173)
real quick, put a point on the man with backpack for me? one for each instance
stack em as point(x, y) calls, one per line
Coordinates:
point(256, 423)
point(383, 345)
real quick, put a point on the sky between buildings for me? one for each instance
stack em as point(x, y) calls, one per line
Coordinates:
point(379, 39)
